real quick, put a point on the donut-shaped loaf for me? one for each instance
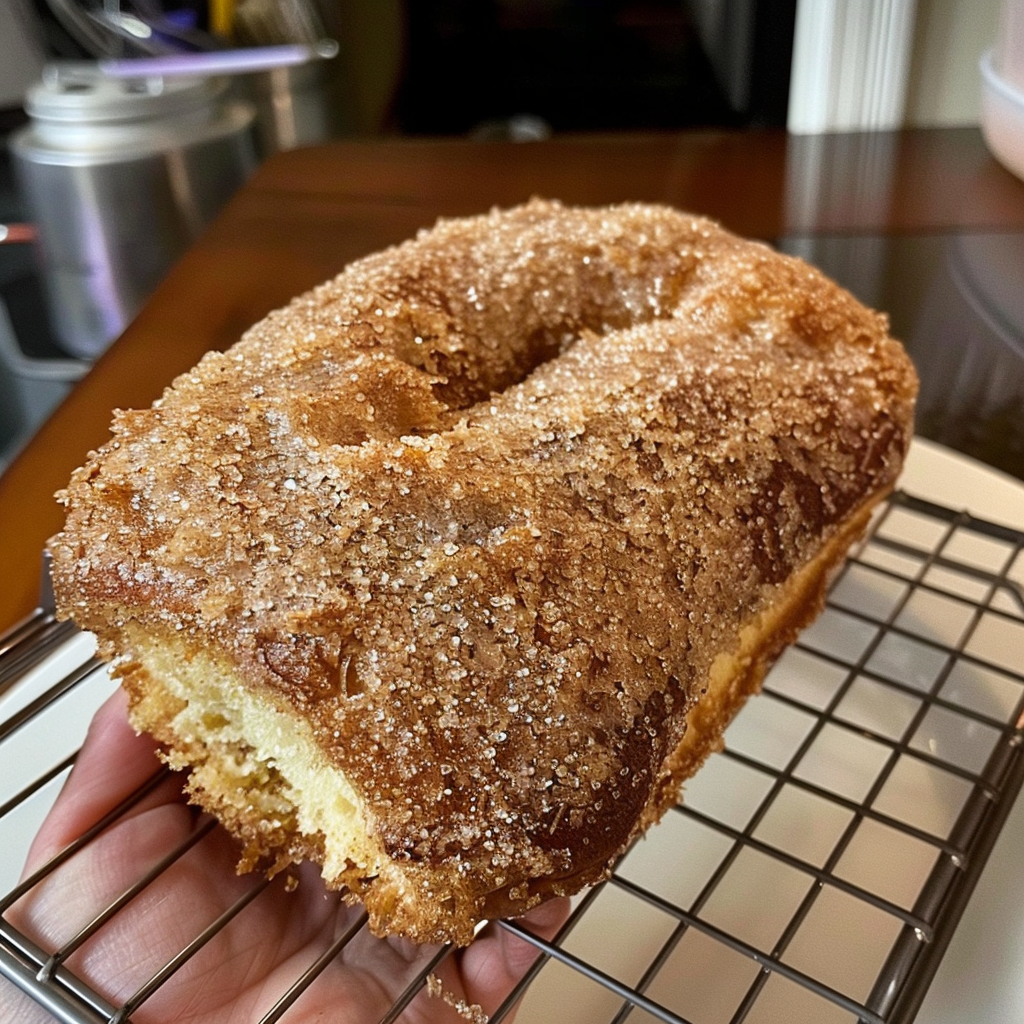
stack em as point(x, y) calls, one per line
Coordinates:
point(447, 575)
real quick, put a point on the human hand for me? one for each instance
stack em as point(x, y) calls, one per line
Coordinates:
point(252, 961)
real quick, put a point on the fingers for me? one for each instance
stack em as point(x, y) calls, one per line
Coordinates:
point(491, 967)
point(112, 764)
point(17, 1008)
point(544, 922)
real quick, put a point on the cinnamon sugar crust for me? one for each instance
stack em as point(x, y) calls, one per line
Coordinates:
point(448, 574)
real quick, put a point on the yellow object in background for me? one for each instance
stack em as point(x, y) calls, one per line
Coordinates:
point(222, 16)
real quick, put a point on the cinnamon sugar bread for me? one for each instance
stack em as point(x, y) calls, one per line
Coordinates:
point(447, 575)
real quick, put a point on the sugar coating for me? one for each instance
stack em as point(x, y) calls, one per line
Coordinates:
point(484, 510)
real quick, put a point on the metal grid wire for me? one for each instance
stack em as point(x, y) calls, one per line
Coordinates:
point(814, 872)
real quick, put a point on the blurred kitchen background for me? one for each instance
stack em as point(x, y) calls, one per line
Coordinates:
point(121, 138)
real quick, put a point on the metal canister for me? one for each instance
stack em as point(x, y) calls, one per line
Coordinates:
point(120, 177)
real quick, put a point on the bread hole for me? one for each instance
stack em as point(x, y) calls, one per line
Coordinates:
point(351, 681)
point(475, 358)
point(474, 371)
point(213, 721)
point(541, 634)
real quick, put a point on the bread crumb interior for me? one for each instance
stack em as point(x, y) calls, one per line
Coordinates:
point(247, 754)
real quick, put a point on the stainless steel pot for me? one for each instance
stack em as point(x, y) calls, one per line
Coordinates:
point(120, 176)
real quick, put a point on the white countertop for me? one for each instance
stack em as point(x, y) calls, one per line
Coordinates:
point(981, 978)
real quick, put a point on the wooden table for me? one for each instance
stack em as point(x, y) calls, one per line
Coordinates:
point(306, 213)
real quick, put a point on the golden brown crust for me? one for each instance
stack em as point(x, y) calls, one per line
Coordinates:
point(478, 517)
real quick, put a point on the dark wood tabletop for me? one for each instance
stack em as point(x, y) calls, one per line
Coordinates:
point(306, 213)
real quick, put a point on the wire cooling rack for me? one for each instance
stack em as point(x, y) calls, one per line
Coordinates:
point(815, 871)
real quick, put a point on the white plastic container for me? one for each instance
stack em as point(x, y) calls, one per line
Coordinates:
point(1002, 90)
point(1009, 48)
point(1002, 116)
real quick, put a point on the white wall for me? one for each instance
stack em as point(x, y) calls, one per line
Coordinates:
point(949, 38)
point(860, 64)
